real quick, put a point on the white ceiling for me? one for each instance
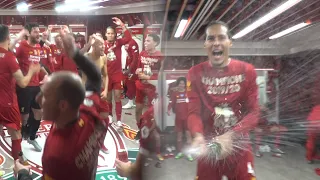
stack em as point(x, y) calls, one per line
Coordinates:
point(303, 40)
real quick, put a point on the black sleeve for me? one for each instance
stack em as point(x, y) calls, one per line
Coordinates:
point(90, 70)
point(23, 174)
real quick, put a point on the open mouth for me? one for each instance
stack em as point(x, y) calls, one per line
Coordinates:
point(217, 53)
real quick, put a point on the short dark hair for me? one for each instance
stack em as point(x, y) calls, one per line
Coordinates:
point(181, 79)
point(30, 26)
point(155, 38)
point(219, 23)
point(4, 32)
point(110, 27)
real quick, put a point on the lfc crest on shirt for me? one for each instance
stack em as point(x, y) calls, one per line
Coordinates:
point(111, 56)
point(224, 117)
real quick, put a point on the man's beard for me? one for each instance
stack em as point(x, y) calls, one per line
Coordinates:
point(34, 40)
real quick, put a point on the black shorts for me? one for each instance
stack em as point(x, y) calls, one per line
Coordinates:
point(27, 98)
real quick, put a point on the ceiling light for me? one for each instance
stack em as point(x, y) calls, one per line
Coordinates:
point(181, 27)
point(76, 25)
point(280, 9)
point(289, 30)
point(23, 6)
point(91, 8)
point(82, 5)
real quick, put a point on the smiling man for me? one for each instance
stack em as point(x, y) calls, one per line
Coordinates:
point(223, 107)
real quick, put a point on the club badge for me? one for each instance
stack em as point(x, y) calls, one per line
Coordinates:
point(188, 85)
point(111, 56)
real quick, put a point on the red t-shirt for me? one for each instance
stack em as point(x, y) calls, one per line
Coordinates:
point(114, 59)
point(220, 98)
point(68, 64)
point(56, 57)
point(25, 55)
point(8, 66)
point(179, 104)
point(146, 122)
point(314, 115)
point(150, 64)
point(132, 49)
point(46, 58)
point(72, 152)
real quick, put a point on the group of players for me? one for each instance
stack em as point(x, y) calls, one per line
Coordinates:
point(221, 93)
point(36, 73)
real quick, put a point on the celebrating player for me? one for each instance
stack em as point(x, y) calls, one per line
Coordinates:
point(132, 49)
point(77, 128)
point(113, 52)
point(150, 60)
point(61, 61)
point(268, 126)
point(149, 140)
point(223, 107)
point(27, 52)
point(178, 104)
point(100, 60)
point(10, 74)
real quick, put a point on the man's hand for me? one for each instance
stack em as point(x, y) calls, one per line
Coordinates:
point(274, 129)
point(65, 29)
point(22, 34)
point(34, 68)
point(68, 44)
point(104, 94)
point(124, 169)
point(198, 146)
point(45, 36)
point(143, 76)
point(18, 166)
point(92, 39)
point(50, 27)
point(117, 21)
point(138, 70)
point(44, 80)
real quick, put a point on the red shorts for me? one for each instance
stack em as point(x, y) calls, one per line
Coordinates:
point(180, 124)
point(10, 117)
point(150, 93)
point(115, 82)
point(237, 167)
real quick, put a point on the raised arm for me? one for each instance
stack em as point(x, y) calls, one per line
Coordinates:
point(126, 34)
point(20, 37)
point(21, 80)
point(86, 66)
